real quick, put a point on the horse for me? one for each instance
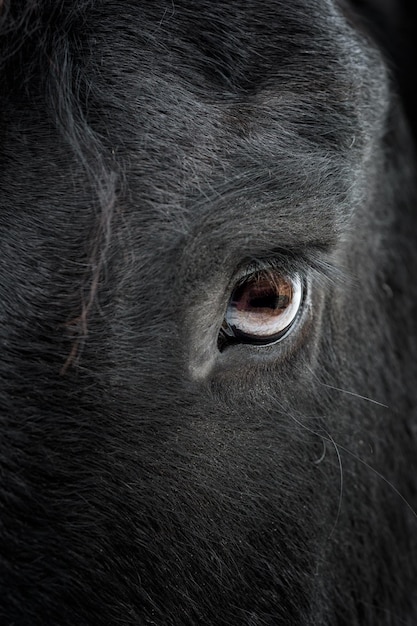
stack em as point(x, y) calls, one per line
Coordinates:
point(208, 313)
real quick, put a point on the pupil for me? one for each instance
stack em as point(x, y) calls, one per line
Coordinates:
point(269, 301)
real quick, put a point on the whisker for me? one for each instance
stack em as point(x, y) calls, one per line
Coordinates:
point(382, 477)
point(339, 506)
point(325, 436)
point(323, 456)
point(356, 395)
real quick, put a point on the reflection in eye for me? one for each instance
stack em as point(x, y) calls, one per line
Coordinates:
point(262, 309)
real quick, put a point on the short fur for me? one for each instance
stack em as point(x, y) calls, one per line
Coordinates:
point(149, 152)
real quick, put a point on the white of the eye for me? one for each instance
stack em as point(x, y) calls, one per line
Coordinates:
point(263, 324)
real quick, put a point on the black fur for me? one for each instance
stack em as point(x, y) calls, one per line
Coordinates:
point(150, 151)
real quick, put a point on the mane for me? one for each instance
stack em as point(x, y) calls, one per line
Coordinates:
point(39, 44)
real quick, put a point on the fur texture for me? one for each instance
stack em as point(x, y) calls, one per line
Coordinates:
point(149, 152)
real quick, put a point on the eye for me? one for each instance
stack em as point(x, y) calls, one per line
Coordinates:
point(262, 309)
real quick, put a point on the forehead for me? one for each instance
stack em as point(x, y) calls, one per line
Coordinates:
point(237, 128)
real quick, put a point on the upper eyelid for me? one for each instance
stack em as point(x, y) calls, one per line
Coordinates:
point(276, 263)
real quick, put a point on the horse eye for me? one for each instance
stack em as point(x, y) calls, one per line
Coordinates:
point(262, 309)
